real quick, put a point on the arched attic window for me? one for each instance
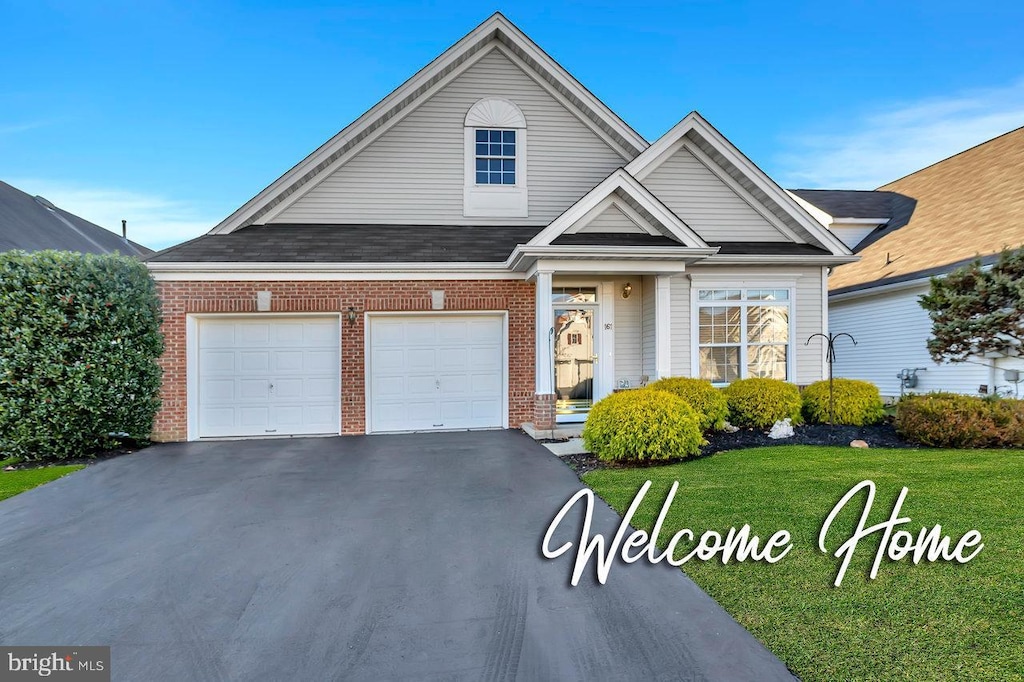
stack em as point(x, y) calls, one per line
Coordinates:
point(495, 149)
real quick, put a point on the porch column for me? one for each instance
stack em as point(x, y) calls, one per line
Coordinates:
point(544, 393)
point(662, 326)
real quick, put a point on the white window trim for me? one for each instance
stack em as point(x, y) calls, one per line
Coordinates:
point(495, 201)
point(716, 283)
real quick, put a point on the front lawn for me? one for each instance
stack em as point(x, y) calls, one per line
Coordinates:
point(929, 621)
point(14, 482)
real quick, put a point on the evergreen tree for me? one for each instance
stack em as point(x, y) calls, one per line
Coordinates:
point(977, 310)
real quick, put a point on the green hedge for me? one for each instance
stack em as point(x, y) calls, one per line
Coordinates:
point(642, 425)
point(707, 401)
point(856, 403)
point(79, 339)
point(951, 420)
point(759, 403)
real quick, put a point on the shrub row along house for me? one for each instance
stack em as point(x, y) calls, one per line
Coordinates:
point(488, 246)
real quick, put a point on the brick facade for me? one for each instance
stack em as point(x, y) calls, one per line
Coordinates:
point(183, 297)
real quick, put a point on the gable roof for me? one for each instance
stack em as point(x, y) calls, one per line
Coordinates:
point(623, 190)
point(969, 205)
point(32, 223)
point(750, 182)
point(495, 31)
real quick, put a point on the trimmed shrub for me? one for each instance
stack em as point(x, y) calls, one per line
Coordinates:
point(856, 403)
point(644, 425)
point(951, 420)
point(79, 339)
point(707, 401)
point(759, 403)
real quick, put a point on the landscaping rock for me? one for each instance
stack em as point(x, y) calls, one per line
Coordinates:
point(9, 469)
point(782, 429)
point(858, 444)
point(729, 428)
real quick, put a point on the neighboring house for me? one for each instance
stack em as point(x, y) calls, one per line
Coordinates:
point(968, 206)
point(431, 265)
point(30, 223)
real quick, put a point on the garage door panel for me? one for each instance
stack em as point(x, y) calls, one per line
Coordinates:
point(421, 359)
point(486, 409)
point(252, 334)
point(485, 357)
point(484, 384)
point(254, 362)
point(217, 390)
point(287, 361)
point(287, 334)
point(421, 384)
point(217, 362)
point(436, 372)
point(239, 361)
point(321, 389)
point(320, 361)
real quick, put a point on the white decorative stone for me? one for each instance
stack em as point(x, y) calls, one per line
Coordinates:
point(437, 299)
point(729, 428)
point(858, 444)
point(263, 301)
point(782, 429)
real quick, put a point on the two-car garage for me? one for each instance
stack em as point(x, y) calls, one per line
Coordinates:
point(280, 375)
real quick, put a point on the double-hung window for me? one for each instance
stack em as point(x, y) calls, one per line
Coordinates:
point(495, 157)
point(743, 333)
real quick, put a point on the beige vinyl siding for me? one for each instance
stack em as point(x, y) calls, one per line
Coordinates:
point(647, 327)
point(806, 314)
point(892, 330)
point(708, 205)
point(415, 172)
point(611, 220)
point(628, 359)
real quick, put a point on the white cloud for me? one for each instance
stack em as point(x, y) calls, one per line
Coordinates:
point(888, 143)
point(15, 128)
point(154, 221)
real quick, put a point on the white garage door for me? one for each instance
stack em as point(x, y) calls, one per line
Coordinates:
point(436, 372)
point(268, 377)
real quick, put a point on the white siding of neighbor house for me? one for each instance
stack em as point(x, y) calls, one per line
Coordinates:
point(647, 328)
point(806, 314)
point(611, 220)
point(415, 172)
point(628, 353)
point(706, 203)
point(892, 331)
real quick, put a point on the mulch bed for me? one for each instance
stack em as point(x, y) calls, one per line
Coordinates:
point(877, 436)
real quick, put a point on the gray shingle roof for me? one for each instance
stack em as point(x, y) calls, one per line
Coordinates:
point(352, 244)
point(852, 203)
point(32, 224)
point(409, 244)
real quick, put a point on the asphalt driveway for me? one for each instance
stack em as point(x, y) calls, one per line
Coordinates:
point(380, 557)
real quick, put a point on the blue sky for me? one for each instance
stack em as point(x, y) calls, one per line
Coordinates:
point(173, 114)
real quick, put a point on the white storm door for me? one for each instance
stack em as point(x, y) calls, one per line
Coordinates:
point(268, 377)
point(436, 372)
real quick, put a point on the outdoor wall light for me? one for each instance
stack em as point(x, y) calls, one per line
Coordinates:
point(627, 290)
point(351, 315)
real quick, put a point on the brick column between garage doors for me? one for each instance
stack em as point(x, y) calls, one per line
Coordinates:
point(180, 298)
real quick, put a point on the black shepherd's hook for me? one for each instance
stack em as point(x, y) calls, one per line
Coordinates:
point(830, 358)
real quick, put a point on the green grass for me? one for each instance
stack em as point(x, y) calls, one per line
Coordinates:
point(14, 482)
point(929, 621)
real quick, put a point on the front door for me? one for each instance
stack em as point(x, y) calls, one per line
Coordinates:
point(574, 352)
